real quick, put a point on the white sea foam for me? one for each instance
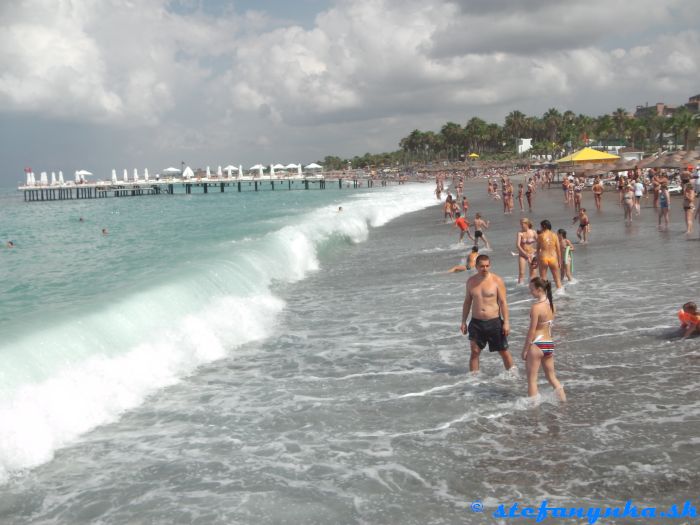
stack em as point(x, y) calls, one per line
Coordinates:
point(71, 377)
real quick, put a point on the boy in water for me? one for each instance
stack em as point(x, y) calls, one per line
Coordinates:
point(584, 226)
point(470, 262)
point(463, 224)
point(567, 249)
point(479, 225)
point(689, 318)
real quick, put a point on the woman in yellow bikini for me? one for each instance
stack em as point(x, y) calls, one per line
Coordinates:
point(549, 253)
point(539, 346)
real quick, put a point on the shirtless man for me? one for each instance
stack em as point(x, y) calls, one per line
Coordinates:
point(490, 321)
point(549, 253)
point(479, 226)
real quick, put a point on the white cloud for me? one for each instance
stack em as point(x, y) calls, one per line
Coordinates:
point(361, 76)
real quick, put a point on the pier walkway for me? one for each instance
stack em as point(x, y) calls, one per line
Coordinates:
point(103, 189)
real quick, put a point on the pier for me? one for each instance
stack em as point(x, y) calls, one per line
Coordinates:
point(103, 189)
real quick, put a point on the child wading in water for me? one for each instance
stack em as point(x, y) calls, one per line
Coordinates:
point(539, 347)
point(567, 256)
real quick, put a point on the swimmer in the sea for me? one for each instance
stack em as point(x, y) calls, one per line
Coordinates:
point(470, 262)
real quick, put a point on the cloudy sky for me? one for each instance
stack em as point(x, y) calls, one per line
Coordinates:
point(101, 84)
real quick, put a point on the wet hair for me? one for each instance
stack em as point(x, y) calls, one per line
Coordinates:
point(690, 306)
point(478, 216)
point(546, 225)
point(562, 232)
point(544, 284)
point(482, 257)
point(457, 214)
point(583, 210)
point(475, 249)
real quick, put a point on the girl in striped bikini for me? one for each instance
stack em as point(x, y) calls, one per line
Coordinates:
point(539, 347)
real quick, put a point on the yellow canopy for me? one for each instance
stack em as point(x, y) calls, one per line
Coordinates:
point(588, 155)
point(473, 155)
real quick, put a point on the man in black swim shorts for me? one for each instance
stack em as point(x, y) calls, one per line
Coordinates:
point(486, 299)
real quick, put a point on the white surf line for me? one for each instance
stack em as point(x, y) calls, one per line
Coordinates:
point(370, 374)
point(431, 390)
point(645, 329)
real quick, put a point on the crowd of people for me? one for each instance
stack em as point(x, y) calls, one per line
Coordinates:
point(545, 257)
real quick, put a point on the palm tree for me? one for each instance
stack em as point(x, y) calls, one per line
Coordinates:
point(684, 123)
point(453, 137)
point(475, 131)
point(553, 123)
point(620, 119)
point(515, 125)
point(661, 125)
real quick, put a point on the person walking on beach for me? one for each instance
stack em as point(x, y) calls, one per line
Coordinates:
point(689, 207)
point(578, 191)
point(597, 189)
point(486, 300)
point(529, 193)
point(479, 226)
point(664, 206)
point(539, 346)
point(521, 193)
point(638, 193)
point(549, 253)
point(526, 244)
point(628, 203)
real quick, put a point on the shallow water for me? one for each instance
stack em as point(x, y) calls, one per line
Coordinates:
point(353, 403)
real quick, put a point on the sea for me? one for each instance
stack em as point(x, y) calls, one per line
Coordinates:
point(264, 358)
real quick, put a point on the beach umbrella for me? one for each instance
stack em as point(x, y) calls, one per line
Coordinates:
point(77, 176)
point(60, 178)
point(136, 175)
point(29, 178)
point(125, 177)
point(290, 167)
point(53, 178)
point(33, 179)
point(272, 171)
point(145, 174)
point(299, 172)
point(114, 176)
point(229, 169)
point(219, 172)
point(313, 166)
point(278, 166)
point(473, 155)
point(171, 171)
point(188, 173)
point(84, 173)
point(208, 172)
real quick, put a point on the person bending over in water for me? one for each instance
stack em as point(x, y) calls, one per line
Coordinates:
point(549, 252)
point(469, 262)
point(486, 300)
point(479, 226)
point(539, 346)
point(567, 257)
point(689, 318)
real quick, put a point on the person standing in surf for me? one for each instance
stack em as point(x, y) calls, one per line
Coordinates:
point(480, 224)
point(486, 300)
point(539, 346)
point(549, 252)
point(597, 192)
point(526, 244)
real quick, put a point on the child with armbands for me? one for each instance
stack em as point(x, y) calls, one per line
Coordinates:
point(690, 319)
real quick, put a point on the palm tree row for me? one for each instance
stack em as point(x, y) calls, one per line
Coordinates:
point(553, 133)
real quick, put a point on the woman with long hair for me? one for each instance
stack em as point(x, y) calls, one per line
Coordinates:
point(539, 346)
point(526, 244)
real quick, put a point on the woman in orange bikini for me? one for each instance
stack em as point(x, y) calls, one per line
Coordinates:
point(549, 253)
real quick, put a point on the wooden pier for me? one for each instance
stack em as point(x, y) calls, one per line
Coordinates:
point(101, 189)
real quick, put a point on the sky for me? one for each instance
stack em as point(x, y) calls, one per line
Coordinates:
point(102, 84)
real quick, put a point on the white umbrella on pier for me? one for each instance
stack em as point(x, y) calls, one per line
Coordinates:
point(219, 172)
point(240, 170)
point(229, 169)
point(145, 174)
point(313, 166)
point(278, 166)
point(272, 171)
point(299, 172)
point(77, 177)
point(60, 178)
point(84, 173)
point(136, 175)
point(171, 171)
point(114, 176)
point(208, 172)
point(53, 178)
point(258, 167)
point(126, 176)
point(290, 167)
point(33, 179)
point(188, 173)
point(29, 178)
point(44, 179)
